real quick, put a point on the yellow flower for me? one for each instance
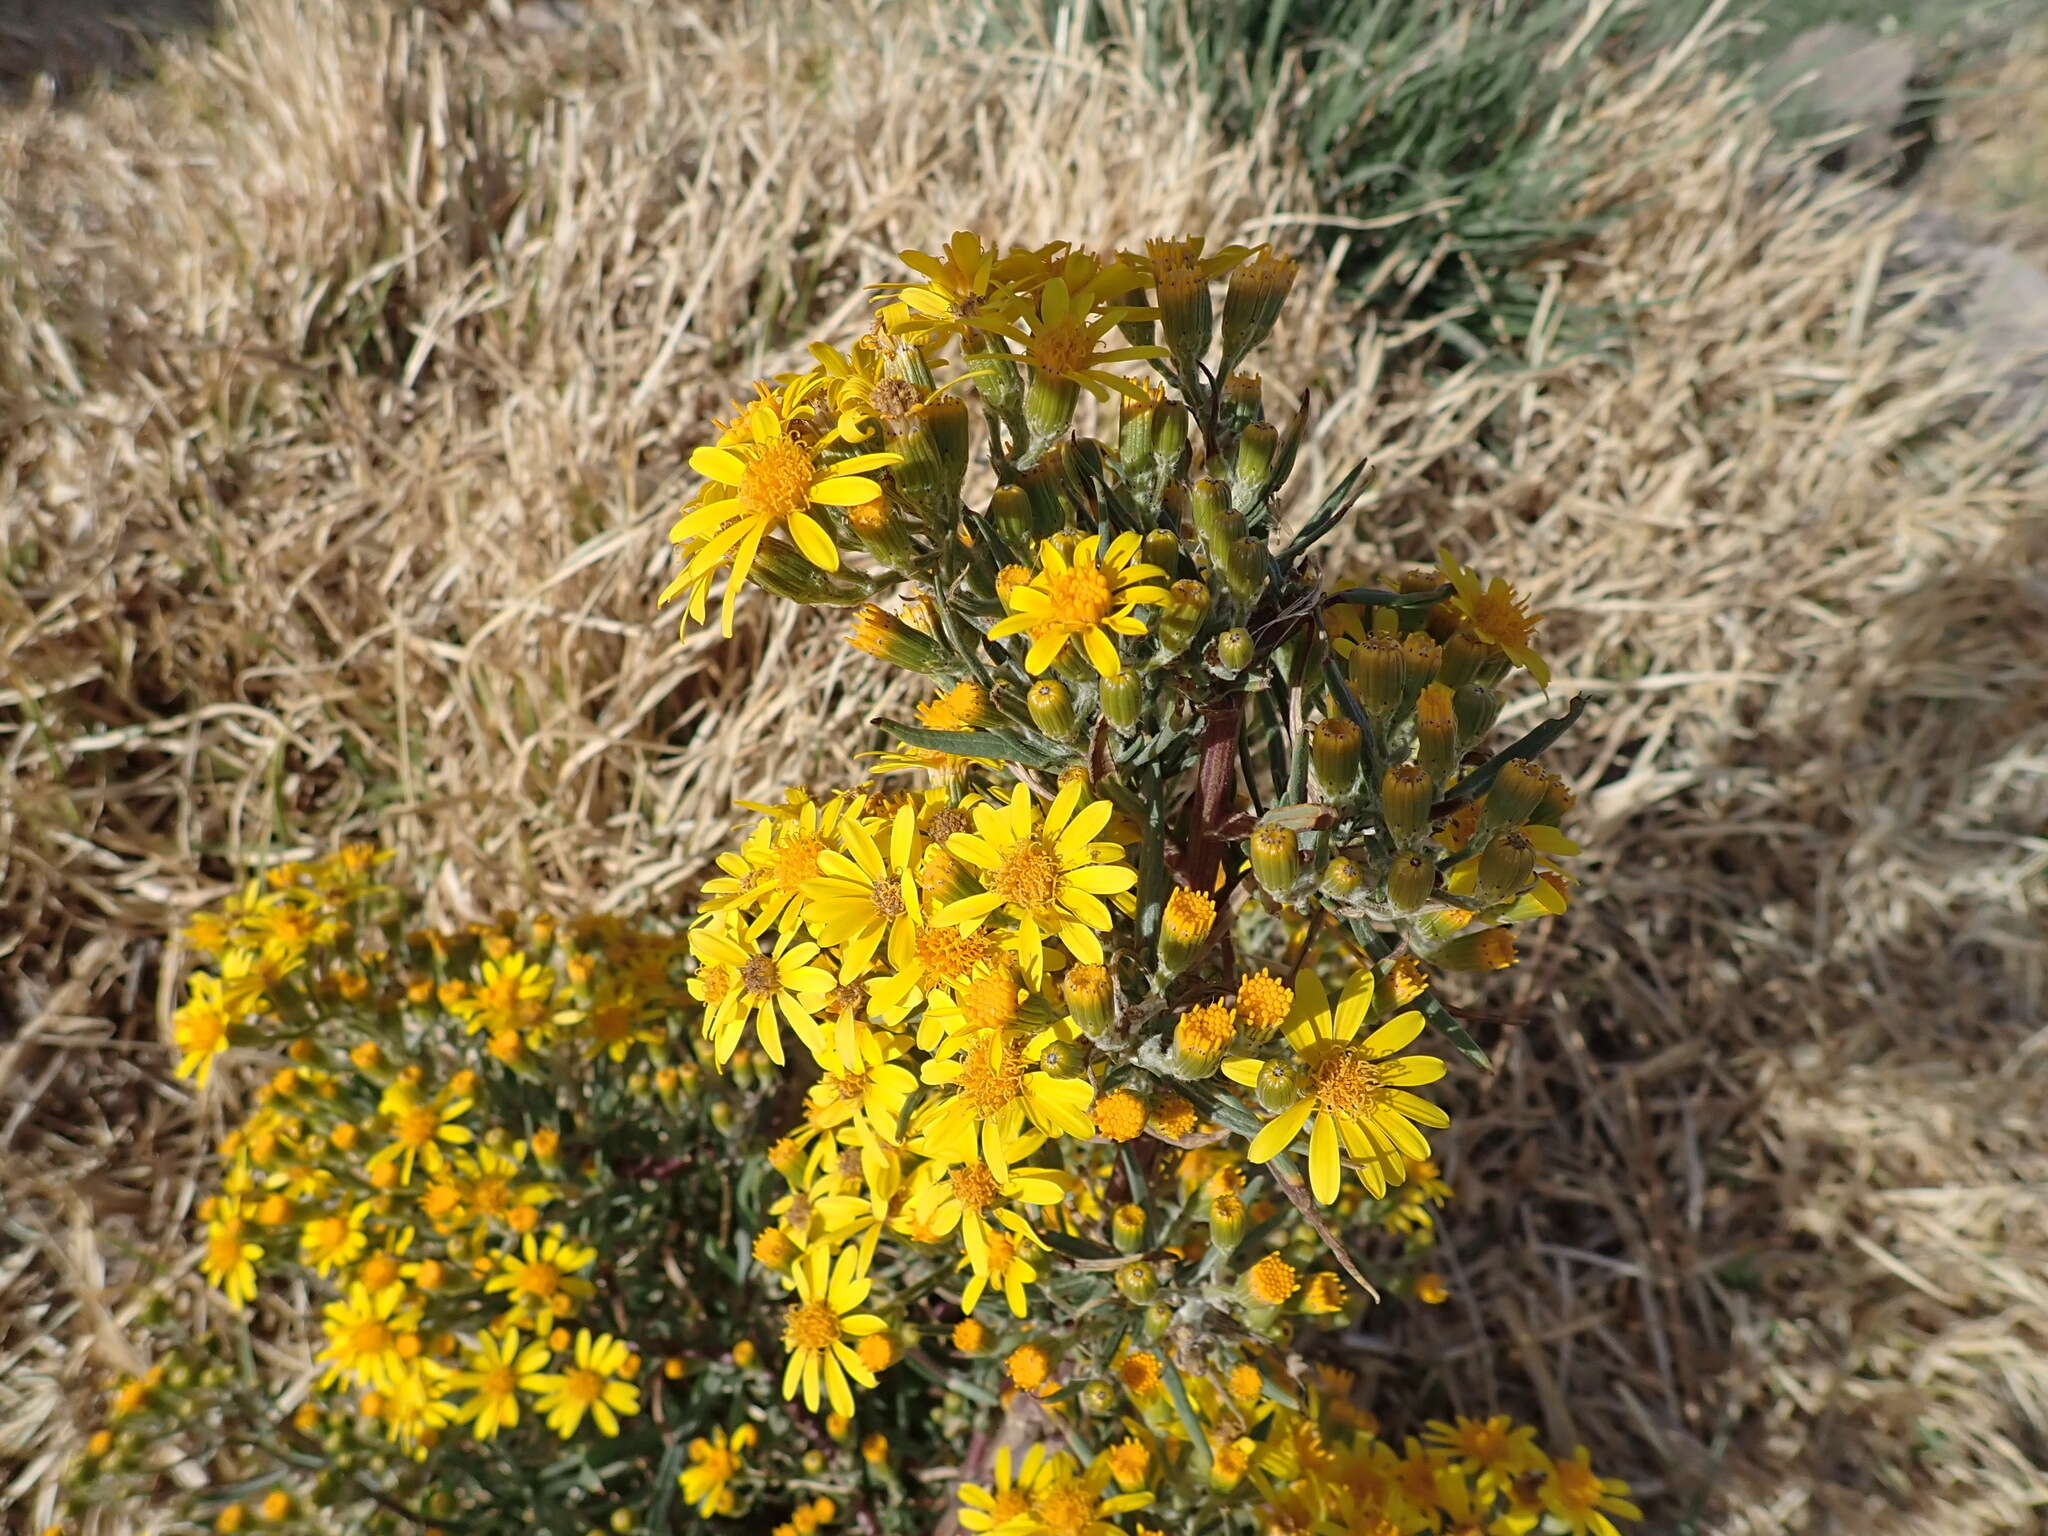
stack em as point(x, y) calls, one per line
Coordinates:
point(1072, 1502)
point(1120, 1115)
point(998, 1090)
point(1351, 1094)
point(591, 1385)
point(230, 1258)
point(862, 897)
point(707, 1482)
point(1495, 614)
point(779, 980)
point(1493, 1450)
point(1061, 334)
point(203, 1026)
point(763, 479)
point(420, 1128)
point(366, 1336)
point(513, 995)
point(1080, 594)
point(816, 1329)
point(335, 1240)
point(1006, 1504)
point(1052, 879)
point(541, 1277)
point(1004, 1262)
point(963, 283)
point(1582, 1501)
point(867, 1086)
point(499, 1368)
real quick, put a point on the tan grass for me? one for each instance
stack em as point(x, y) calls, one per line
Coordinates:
point(354, 363)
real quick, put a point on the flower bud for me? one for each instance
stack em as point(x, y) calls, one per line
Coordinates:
point(1376, 677)
point(1161, 549)
point(1405, 796)
point(1138, 1281)
point(971, 1336)
point(1209, 512)
point(1342, 882)
point(1234, 650)
point(1180, 616)
point(778, 567)
point(1252, 471)
point(1186, 317)
point(1477, 710)
point(1279, 1085)
point(1275, 860)
point(1014, 519)
point(1335, 746)
point(1421, 659)
point(1257, 293)
point(1504, 868)
point(935, 452)
point(1558, 799)
point(1049, 401)
point(943, 878)
point(1436, 734)
point(1169, 437)
point(1490, 949)
point(1138, 330)
point(1089, 997)
point(1242, 403)
point(1045, 486)
point(1183, 929)
point(1051, 703)
point(1098, 1397)
point(1226, 1220)
point(1122, 698)
point(1158, 1321)
point(1465, 659)
point(1127, 1228)
point(1411, 881)
point(1517, 792)
point(1064, 1059)
point(1134, 434)
point(1200, 1037)
point(881, 633)
point(1244, 570)
point(1324, 1294)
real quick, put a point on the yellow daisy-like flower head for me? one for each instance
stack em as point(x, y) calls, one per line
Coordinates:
point(367, 1336)
point(1354, 1095)
point(1074, 1501)
point(498, 1370)
point(763, 479)
point(1582, 1501)
point(1052, 878)
point(1005, 1505)
point(591, 1385)
point(773, 984)
point(229, 1258)
point(1082, 592)
point(817, 1329)
point(1495, 613)
point(714, 1463)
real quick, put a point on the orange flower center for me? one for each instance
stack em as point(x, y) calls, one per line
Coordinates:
point(777, 482)
point(1577, 1486)
point(1064, 348)
point(887, 896)
point(1029, 874)
point(582, 1385)
point(500, 1382)
point(1066, 1510)
point(796, 860)
point(536, 1279)
point(992, 1079)
point(1347, 1081)
point(369, 1337)
point(418, 1126)
point(974, 1186)
point(1077, 599)
point(953, 954)
point(814, 1325)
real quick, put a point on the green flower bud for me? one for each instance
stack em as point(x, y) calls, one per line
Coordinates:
point(1504, 868)
point(1436, 734)
point(1014, 519)
point(1244, 570)
point(1421, 660)
point(1180, 616)
point(1064, 1059)
point(1242, 403)
point(880, 633)
point(1138, 1281)
point(1134, 433)
point(1045, 486)
point(1158, 1320)
point(1122, 698)
point(1226, 1220)
point(1049, 401)
point(1169, 437)
point(1162, 549)
point(1252, 472)
point(1184, 928)
point(1478, 710)
point(1335, 748)
point(1127, 1228)
point(1209, 511)
point(1517, 791)
point(1051, 704)
point(778, 567)
point(1234, 650)
point(935, 452)
point(1405, 797)
point(1342, 881)
point(1558, 799)
point(1098, 1397)
point(1411, 881)
point(1376, 677)
point(1276, 861)
point(1490, 949)
point(1278, 1087)
point(1257, 293)
point(1090, 997)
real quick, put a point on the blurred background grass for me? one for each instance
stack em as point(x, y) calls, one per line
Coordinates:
point(350, 355)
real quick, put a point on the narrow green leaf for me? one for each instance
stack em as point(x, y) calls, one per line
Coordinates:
point(1480, 779)
point(999, 746)
point(1433, 1010)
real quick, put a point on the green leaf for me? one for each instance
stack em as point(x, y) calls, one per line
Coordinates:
point(1327, 516)
point(1480, 779)
point(1373, 597)
point(1076, 1247)
point(1000, 746)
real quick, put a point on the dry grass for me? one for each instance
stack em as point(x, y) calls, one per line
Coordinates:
point(351, 368)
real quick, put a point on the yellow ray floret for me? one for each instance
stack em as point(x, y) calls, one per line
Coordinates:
point(1051, 878)
point(1081, 593)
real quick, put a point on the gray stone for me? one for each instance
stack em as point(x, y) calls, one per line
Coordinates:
point(1842, 79)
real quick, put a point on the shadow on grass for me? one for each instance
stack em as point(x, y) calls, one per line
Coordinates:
point(64, 45)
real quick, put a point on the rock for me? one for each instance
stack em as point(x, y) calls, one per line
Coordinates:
point(1841, 79)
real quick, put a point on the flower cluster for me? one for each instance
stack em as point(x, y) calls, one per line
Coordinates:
point(1048, 1108)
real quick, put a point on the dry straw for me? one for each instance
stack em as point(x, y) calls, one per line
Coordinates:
point(350, 366)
